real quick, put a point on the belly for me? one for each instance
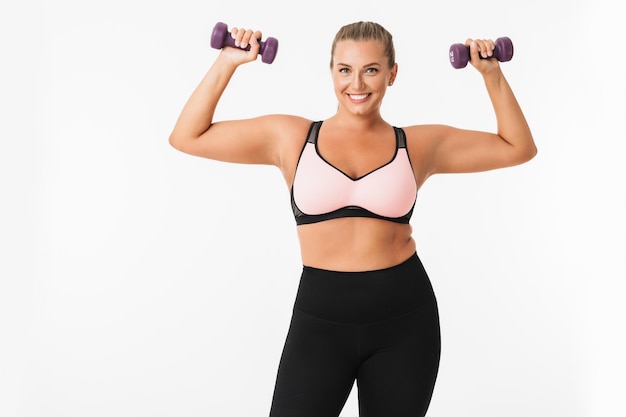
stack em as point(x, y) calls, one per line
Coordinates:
point(355, 244)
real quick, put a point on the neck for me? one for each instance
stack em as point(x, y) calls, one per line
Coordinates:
point(357, 121)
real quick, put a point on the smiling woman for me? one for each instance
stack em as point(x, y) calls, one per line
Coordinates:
point(358, 81)
point(365, 309)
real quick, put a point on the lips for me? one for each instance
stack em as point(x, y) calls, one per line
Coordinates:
point(358, 97)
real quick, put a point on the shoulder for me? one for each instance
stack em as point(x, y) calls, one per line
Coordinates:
point(284, 121)
point(422, 144)
point(283, 126)
point(422, 138)
point(289, 133)
point(429, 136)
point(426, 132)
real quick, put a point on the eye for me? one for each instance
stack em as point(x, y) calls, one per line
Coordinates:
point(371, 70)
point(344, 70)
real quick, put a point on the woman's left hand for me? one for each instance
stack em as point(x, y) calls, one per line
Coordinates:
point(482, 48)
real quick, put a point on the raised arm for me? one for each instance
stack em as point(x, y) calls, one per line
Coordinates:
point(243, 141)
point(453, 150)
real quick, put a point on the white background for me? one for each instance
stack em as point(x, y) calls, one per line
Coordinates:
point(140, 281)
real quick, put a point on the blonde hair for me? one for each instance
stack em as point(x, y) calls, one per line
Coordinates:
point(366, 31)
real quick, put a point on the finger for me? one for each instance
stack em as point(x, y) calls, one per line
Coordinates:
point(257, 36)
point(255, 46)
point(485, 47)
point(245, 40)
point(474, 50)
point(489, 45)
point(235, 33)
point(481, 48)
point(241, 36)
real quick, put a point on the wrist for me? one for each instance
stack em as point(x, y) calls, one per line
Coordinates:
point(493, 78)
point(225, 63)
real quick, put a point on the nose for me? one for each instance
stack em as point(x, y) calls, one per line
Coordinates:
point(357, 81)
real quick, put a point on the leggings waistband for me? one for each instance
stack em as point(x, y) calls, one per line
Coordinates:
point(364, 297)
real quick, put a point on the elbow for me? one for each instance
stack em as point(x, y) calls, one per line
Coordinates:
point(531, 152)
point(172, 141)
point(522, 150)
point(175, 142)
point(526, 154)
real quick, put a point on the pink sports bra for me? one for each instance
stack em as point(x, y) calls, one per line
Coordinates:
point(320, 191)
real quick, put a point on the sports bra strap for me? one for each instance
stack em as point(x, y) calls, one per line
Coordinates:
point(400, 137)
point(313, 132)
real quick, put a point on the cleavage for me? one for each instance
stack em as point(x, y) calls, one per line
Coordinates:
point(356, 159)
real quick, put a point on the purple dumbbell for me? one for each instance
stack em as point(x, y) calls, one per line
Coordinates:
point(220, 37)
point(460, 55)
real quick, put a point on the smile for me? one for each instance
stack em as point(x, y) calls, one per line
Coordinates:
point(358, 97)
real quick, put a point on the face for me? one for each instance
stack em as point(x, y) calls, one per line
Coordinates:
point(361, 75)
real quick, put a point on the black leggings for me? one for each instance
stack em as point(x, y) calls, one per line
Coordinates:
point(380, 328)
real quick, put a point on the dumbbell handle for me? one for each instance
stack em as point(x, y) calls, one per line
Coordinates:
point(229, 41)
point(220, 37)
point(460, 54)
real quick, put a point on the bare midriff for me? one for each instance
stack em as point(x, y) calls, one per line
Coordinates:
point(355, 244)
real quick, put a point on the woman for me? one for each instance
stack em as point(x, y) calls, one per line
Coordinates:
point(365, 310)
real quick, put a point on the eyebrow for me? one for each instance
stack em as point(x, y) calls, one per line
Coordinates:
point(368, 65)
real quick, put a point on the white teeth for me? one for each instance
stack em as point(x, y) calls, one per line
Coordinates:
point(358, 96)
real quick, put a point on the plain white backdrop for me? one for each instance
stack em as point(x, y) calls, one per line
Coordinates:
point(139, 281)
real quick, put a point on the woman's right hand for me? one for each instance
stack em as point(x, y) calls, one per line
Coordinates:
point(243, 38)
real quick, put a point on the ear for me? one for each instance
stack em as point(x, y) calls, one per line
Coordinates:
point(394, 73)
